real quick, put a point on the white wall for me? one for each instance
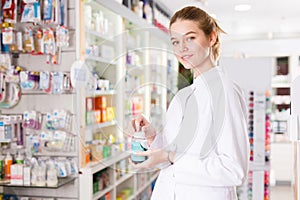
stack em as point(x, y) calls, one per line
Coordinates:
point(249, 73)
point(261, 48)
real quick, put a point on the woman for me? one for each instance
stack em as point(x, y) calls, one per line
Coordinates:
point(203, 146)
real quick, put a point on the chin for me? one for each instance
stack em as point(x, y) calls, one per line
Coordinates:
point(187, 66)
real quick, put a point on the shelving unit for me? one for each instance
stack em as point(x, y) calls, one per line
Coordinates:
point(61, 182)
point(257, 185)
point(141, 52)
point(100, 59)
point(110, 163)
point(151, 46)
point(281, 147)
point(67, 187)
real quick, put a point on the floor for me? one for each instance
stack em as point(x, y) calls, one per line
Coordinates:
point(281, 193)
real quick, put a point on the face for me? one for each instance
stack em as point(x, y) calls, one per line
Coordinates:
point(191, 46)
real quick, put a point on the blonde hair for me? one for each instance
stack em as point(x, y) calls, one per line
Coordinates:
point(204, 21)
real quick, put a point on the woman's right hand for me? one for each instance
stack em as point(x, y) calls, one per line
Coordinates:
point(140, 123)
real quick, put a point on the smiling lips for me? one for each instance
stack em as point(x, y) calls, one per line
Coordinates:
point(186, 57)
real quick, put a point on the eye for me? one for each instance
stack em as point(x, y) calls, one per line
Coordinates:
point(191, 38)
point(174, 42)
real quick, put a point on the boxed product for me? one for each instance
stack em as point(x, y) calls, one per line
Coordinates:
point(16, 171)
point(96, 150)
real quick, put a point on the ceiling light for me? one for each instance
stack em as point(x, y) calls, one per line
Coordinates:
point(242, 7)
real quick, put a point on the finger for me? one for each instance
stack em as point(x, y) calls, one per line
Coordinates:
point(143, 165)
point(135, 165)
point(138, 123)
point(142, 153)
point(149, 131)
point(132, 122)
point(131, 163)
point(145, 128)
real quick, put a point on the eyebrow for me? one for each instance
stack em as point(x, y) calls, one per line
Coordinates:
point(187, 33)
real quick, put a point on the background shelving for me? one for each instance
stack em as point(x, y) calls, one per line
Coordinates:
point(44, 102)
point(137, 72)
point(106, 40)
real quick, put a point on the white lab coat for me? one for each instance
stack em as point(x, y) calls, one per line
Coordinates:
point(211, 172)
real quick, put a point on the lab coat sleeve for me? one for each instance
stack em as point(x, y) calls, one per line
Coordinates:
point(227, 164)
point(171, 123)
point(157, 142)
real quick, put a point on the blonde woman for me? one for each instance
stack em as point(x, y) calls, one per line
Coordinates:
point(203, 147)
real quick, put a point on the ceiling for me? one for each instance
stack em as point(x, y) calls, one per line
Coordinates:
point(267, 19)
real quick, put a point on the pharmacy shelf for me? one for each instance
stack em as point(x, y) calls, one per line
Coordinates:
point(132, 17)
point(5, 141)
point(56, 154)
point(99, 35)
point(118, 15)
point(124, 178)
point(101, 125)
point(61, 182)
point(96, 93)
point(101, 193)
point(141, 189)
point(99, 59)
point(94, 167)
point(39, 92)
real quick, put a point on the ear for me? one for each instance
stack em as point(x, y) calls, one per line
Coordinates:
point(213, 38)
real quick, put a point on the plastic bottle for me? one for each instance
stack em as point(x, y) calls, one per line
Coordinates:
point(137, 145)
point(1, 167)
point(8, 162)
point(41, 176)
point(19, 158)
point(51, 175)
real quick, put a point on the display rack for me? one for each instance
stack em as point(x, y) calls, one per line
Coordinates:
point(136, 52)
point(104, 53)
point(257, 185)
point(66, 187)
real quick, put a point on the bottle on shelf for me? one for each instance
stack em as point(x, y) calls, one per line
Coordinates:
point(1, 167)
point(51, 175)
point(19, 158)
point(8, 163)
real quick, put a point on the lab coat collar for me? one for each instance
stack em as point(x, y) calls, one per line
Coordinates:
point(206, 77)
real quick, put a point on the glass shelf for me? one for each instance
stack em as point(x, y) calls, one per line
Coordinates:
point(101, 125)
point(61, 182)
point(100, 59)
point(100, 93)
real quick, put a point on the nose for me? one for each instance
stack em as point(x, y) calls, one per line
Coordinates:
point(183, 47)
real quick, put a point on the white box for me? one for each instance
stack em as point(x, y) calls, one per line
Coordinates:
point(16, 171)
point(26, 175)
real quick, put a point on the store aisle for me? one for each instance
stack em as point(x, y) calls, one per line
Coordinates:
point(281, 192)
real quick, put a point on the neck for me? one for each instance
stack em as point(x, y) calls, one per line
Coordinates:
point(203, 68)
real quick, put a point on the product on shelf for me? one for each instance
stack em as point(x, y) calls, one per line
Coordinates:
point(101, 180)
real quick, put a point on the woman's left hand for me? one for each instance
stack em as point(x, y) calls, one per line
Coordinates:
point(154, 157)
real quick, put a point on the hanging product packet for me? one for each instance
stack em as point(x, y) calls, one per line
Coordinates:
point(28, 42)
point(31, 11)
point(47, 11)
point(63, 13)
point(62, 40)
point(10, 11)
point(39, 42)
